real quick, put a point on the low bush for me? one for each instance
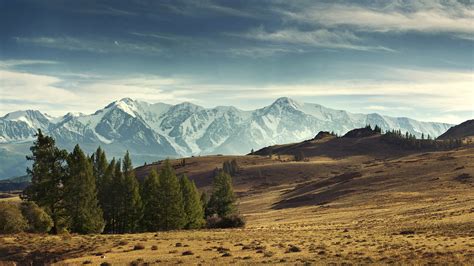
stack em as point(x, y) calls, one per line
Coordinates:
point(139, 246)
point(38, 220)
point(294, 249)
point(230, 221)
point(11, 219)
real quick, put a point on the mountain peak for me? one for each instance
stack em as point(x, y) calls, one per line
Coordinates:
point(286, 101)
point(32, 118)
point(127, 105)
point(126, 100)
point(17, 114)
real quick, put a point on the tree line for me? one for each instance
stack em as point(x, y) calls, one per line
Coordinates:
point(410, 141)
point(89, 194)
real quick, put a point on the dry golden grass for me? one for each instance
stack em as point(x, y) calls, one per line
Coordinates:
point(9, 197)
point(416, 208)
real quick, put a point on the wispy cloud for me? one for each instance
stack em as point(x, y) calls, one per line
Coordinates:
point(385, 108)
point(313, 38)
point(78, 92)
point(198, 8)
point(447, 91)
point(262, 51)
point(24, 62)
point(96, 45)
point(397, 16)
point(40, 90)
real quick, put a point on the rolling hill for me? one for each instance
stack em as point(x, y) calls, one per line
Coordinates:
point(463, 130)
point(353, 199)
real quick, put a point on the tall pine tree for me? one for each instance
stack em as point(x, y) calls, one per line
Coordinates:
point(192, 204)
point(151, 203)
point(100, 164)
point(80, 195)
point(222, 201)
point(108, 196)
point(117, 192)
point(131, 200)
point(47, 179)
point(171, 210)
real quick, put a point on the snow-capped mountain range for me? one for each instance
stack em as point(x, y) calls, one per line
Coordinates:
point(154, 131)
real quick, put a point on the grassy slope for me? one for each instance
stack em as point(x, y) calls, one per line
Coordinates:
point(334, 208)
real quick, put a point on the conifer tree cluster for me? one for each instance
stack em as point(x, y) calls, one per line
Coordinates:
point(410, 141)
point(92, 195)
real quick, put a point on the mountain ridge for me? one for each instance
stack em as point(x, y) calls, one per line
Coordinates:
point(152, 131)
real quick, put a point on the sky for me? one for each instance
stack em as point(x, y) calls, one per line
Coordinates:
point(399, 58)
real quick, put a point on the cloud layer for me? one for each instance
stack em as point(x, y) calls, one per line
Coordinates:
point(402, 57)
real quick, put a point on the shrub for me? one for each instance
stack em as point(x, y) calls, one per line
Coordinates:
point(38, 220)
point(230, 221)
point(294, 249)
point(11, 219)
point(139, 246)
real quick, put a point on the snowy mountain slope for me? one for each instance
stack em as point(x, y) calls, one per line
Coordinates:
point(154, 131)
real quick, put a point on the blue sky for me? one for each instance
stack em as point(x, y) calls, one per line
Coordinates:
point(399, 58)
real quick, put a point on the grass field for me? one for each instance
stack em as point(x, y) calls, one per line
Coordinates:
point(416, 208)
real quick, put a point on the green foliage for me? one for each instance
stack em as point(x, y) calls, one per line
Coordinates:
point(100, 164)
point(230, 167)
point(378, 129)
point(116, 196)
point(11, 219)
point(80, 196)
point(38, 220)
point(222, 201)
point(88, 195)
point(409, 141)
point(129, 204)
point(151, 203)
point(230, 221)
point(171, 209)
point(48, 174)
point(134, 205)
point(192, 204)
point(107, 196)
point(204, 199)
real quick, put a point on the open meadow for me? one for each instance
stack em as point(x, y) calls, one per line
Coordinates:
point(415, 208)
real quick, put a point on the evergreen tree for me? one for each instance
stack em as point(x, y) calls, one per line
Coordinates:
point(100, 165)
point(377, 129)
point(234, 167)
point(151, 203)
point(47, 178)
point(192, 204)
point(118, 204)
point(130, 198)
point(171, 199)
point(226, 167)
point(222, 201)
point(204, 201)
point(80, 195)
point(108, 196)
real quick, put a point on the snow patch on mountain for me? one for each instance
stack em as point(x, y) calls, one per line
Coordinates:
point(161, 130)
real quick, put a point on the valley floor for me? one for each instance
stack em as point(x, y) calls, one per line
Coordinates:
point(415, 209)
